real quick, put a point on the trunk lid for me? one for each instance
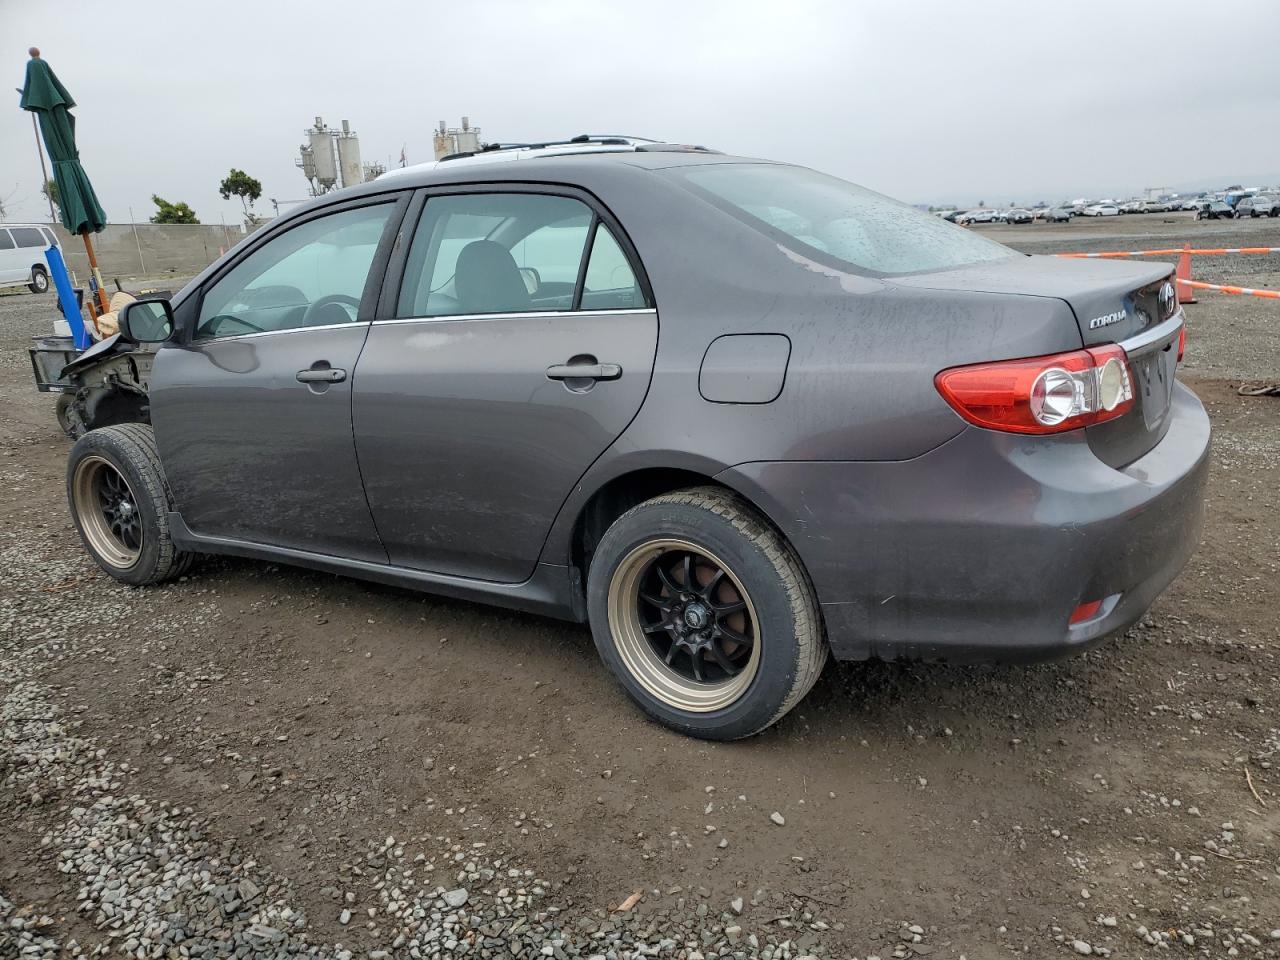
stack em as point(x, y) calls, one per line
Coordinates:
point(1113, 301)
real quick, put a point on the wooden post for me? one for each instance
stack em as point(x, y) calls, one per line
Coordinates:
point(96, 281)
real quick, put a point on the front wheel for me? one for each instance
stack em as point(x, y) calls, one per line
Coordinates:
point(39, 280)
point(120, 504)
point(704, 614)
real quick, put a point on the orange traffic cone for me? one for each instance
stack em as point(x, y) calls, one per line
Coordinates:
point(1186, 294)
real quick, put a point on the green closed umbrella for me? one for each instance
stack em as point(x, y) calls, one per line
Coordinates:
point(78, 205)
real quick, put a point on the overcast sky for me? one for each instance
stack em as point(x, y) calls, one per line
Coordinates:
point(935, 100)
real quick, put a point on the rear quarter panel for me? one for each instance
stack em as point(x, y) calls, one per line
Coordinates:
point(859, 383)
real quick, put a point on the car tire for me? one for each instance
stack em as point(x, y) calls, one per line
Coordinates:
point(120, 503)
point(697, 675)
point(39, 280)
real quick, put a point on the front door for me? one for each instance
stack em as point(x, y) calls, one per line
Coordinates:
point(521, 346)
point(252, 412)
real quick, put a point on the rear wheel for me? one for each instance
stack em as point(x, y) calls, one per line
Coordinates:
point(704, 614)
point(39, 280)
point(120, 504)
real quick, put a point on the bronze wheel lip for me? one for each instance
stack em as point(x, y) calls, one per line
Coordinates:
point(86, 482)
point(649, 670)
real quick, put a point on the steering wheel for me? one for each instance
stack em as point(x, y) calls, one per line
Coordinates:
point(340, 298)
point(213, 326)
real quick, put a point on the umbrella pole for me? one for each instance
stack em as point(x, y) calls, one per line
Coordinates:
point(101, 294)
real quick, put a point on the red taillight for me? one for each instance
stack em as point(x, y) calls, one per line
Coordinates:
point(1182, 341)
point(1065, 391)
point(1086, 611)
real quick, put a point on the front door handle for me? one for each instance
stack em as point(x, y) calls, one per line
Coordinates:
point(322, 375)
point(584, 371)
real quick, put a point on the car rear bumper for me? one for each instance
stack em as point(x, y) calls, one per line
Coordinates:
point(982, 548)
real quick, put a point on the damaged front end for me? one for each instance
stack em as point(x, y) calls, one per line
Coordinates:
point(107, 384)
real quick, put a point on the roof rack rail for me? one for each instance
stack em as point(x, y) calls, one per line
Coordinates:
point(582, 139)
point(674, 148)
point(605, 139)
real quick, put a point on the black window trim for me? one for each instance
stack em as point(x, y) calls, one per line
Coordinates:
point(189, 315)
point(394, 275)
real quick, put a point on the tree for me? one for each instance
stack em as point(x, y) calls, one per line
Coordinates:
point(167, 212)
point(239, 184)
point(50, 190)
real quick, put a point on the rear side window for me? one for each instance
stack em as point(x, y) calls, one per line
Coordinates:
point(837, 222)
point(27, 237)
point(610, 283)
point(495, 253)
point(49, 237)
point(6, 241)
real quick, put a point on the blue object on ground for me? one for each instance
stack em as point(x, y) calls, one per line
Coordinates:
point(67, 298)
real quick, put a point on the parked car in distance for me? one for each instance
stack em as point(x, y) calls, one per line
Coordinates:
point(1214, 210)
point(1259, 205)
point(1101, 210)
point(1191, 204)
point(455, 382)
point(1155, 206)
point(1058, 215)
point(1018, 215)
point(22, 247)
point(1132, 206)
point(981, 215)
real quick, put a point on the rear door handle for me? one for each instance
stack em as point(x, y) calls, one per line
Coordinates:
point(322, 375)
point(584, 371)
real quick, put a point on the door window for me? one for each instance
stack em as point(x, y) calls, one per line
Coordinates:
point(495, 253)
point(610, 282)
point(27, 237)
point(314, 275)
point(6, 241)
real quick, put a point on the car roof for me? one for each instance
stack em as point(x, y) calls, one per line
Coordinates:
point(584, 168)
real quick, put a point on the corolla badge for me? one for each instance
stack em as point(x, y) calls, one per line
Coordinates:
point(1107, 319)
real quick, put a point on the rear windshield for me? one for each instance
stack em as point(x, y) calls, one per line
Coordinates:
point(838, 222)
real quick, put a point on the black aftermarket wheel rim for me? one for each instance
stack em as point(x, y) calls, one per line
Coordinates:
point(684, 625)
point(108, 511)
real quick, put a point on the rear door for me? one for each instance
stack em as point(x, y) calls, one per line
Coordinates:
point(514, 343)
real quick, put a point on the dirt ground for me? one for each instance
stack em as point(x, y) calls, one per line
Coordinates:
point(1123, 798)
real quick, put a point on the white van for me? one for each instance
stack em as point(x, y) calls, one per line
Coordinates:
point(22, 263)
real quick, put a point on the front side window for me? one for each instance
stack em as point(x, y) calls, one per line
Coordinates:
point(495, 253)
point(27, 237)
point(6, 241)
point(835, 221)
point(310, 276)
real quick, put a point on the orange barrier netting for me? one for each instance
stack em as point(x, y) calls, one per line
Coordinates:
point(1224, 288)
point(1178, 251)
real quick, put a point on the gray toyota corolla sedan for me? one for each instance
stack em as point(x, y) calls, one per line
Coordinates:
point(737, 415)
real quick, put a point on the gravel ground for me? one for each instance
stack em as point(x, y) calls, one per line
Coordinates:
point(258, 761)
